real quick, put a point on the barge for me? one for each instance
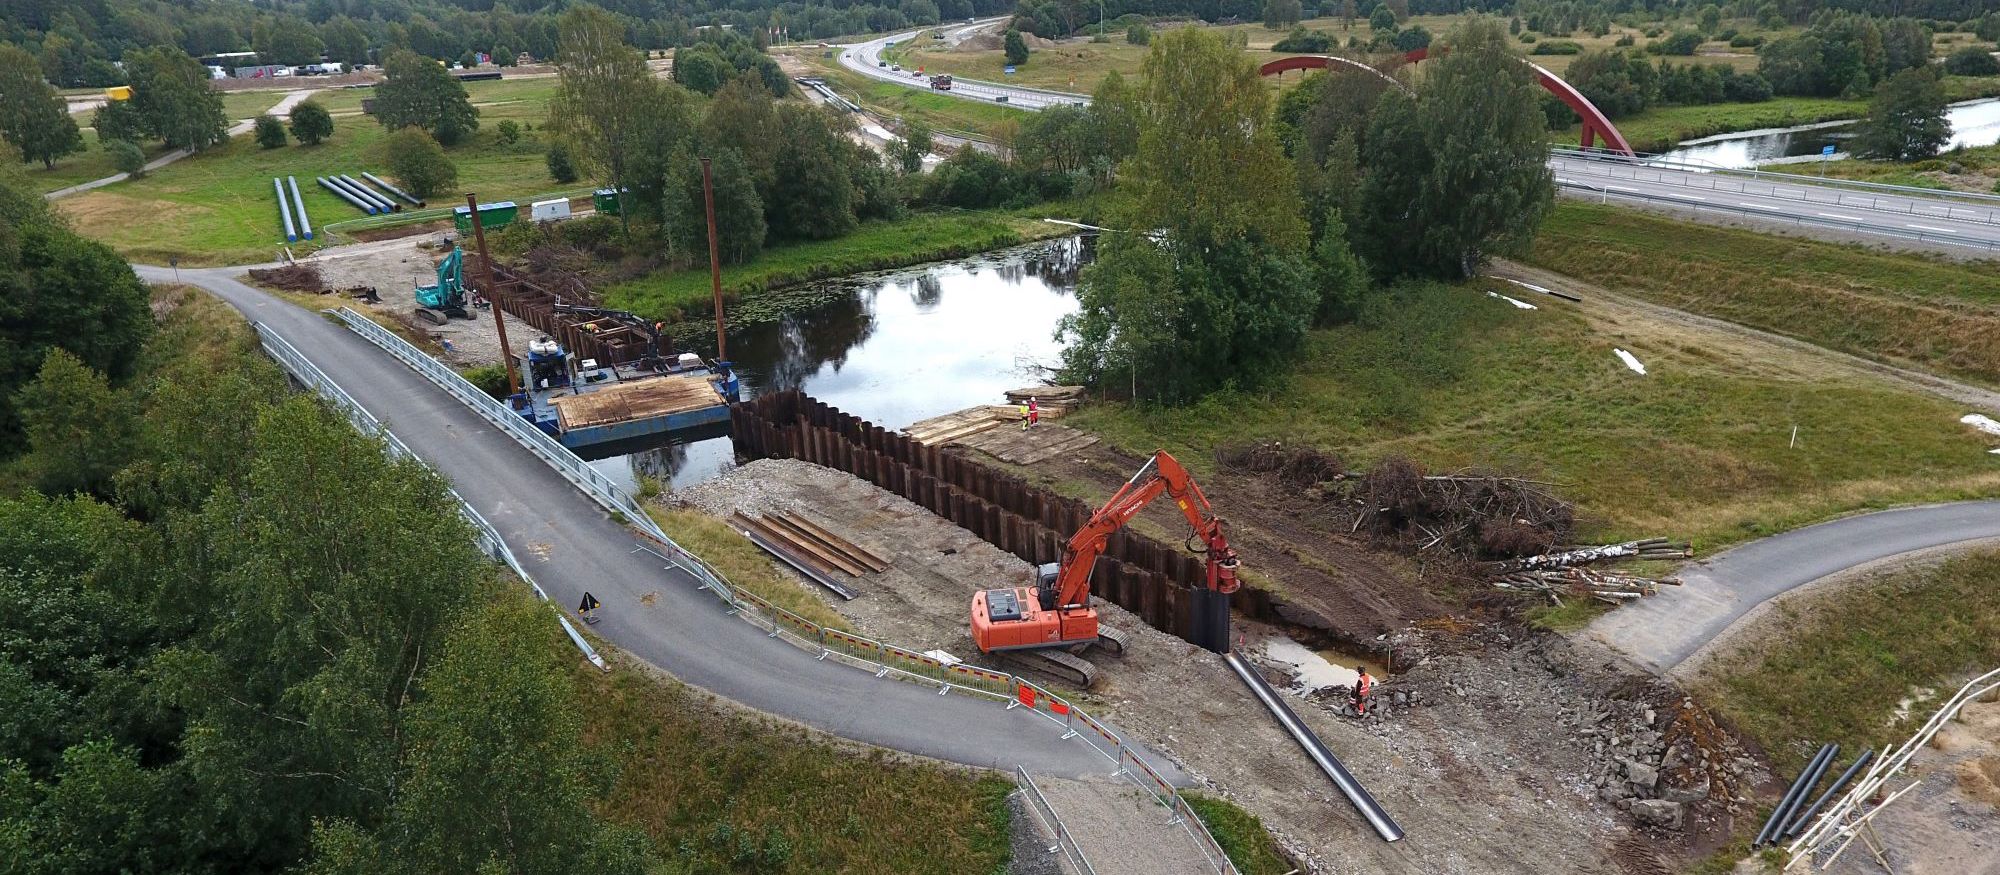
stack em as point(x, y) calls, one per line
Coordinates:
point(584, 404)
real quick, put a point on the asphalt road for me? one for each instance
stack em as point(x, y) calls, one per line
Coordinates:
point(651, 611)
point(1939, 222)
point(1661, 632)
point(866, 59)
point(1959, 224)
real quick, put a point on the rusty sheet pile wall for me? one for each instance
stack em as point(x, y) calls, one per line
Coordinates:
point(1142, 575)
point(602, 339)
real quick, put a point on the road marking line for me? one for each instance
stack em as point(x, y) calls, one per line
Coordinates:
point(1762, 207)
point(1928, 228)
point(1839, 216)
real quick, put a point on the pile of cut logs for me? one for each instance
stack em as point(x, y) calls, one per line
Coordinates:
point(1562, 573)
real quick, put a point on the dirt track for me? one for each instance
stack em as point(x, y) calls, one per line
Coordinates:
point(1495, 737)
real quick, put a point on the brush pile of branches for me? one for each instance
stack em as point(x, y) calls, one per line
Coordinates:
point(1297, 467)
point(1560, 573)
point(1470, 513)
point(291, 278)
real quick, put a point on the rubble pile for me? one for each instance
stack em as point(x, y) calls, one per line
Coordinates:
point(1665, 764)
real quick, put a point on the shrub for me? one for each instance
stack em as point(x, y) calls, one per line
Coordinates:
point(1681, 43)
point(1558, 47)
point(127, 157)
point(510, 133)
point(1139, 35)
point(562, 168)
point(1972, 61)
point(1527, 37)
point(1302, 40)
point(1746, 41)
point(311, 123)
point(270, 132)
point(418, 162)
point(491, 379)
point(1625, 40)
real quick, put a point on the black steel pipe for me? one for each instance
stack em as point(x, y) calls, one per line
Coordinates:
point(343, 194)
point(1832, 790)
point(1812, 780)
point(1385, 826)
point(1780, 813)
point(382, 204)
point(416, 202)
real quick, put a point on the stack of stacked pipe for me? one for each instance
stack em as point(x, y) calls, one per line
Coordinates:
point(1792, 814)
point(1149, 578)
point(303, 229)
point(360, 196)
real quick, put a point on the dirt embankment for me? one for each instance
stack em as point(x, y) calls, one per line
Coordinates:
point(1496, 751)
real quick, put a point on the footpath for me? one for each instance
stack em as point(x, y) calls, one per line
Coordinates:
point(282, 110)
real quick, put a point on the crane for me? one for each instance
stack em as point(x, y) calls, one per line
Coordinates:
point(1056, 614)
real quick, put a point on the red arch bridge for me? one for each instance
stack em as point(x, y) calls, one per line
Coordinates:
point(1595, 124)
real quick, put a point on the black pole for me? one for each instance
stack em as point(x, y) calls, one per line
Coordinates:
point(1791, 798)
point(1799, 822)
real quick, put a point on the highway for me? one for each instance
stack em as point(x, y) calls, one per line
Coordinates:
point(1962, 223)
point(653, 612)
point(866, 59)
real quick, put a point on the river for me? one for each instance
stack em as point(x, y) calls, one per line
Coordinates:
point(1973, 123)
point(894, 347)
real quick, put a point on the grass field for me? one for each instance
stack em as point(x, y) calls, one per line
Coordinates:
point(943, 112)
point(720, 790)
point(222, 207)
point(914, 239)
point(1241, 835)
point(1929, 313)
point(1843, 665)
point(1975, 170)
point(1698, 448)
point(742, 562)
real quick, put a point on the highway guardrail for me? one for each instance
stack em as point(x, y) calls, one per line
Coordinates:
point(1982, 199)
point(1604, 193)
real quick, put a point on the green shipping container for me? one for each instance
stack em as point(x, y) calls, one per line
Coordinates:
point(491, 216)
point(606, 201)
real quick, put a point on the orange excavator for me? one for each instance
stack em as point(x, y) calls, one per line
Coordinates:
point(1053, 621)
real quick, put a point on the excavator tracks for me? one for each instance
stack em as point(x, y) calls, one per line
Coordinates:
point(1058, 664)
point(1112, 640)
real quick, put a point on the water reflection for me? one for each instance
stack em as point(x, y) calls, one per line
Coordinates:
point(1974, 123)
point(898, 346)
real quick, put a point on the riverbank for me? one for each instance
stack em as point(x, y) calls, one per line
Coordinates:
point(1970, 170)
point(1662, 128)
point(913, 239)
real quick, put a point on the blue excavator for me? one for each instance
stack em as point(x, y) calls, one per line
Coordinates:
point(445, 300)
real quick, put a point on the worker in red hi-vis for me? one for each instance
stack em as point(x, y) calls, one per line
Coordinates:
point(1364, 687)
point(1034, 412)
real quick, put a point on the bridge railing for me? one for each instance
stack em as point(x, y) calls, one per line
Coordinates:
point(1605, 193)
point(885, 660)
point(489, 540)
point(1982, 203)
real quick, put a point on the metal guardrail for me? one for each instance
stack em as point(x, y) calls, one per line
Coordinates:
point(1064, 841)
point(1644, 160)
point(883, 659)
point(488, 538)
point(1604, 193)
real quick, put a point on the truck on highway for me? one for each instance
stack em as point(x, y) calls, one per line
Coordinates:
point(941, 82)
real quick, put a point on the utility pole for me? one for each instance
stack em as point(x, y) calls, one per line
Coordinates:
point(499, 323)
point(714, 262)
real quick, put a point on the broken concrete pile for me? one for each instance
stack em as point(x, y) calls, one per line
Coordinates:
point(1666, 764)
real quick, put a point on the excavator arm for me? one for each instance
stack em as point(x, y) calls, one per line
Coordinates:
point(1161, 474)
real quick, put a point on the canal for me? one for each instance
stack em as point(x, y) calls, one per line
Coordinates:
point(892, 347)
point(1973, 123)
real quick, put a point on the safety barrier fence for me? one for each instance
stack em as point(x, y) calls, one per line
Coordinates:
point(1979, 202)
point(488, 538)
point(1604, 194)
point(884, 660)
point(1064, 841)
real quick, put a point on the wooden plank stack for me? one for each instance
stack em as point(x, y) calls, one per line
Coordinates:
point(1559, 573)
point(810, 548)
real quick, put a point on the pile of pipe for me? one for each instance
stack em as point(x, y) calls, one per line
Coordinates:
point(1792, 814)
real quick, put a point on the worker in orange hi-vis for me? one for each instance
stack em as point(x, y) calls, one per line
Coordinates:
point(1364, 687)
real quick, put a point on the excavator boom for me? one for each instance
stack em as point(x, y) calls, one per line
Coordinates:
point(1056, 612)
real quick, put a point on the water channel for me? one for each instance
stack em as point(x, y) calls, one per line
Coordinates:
point(893, 347)
point(1973, 123)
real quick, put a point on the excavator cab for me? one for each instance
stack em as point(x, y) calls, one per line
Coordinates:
point(1015, 619)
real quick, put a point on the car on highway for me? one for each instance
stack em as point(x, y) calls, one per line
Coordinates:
point(895, 68)
point(880, 63)
point(999, 98)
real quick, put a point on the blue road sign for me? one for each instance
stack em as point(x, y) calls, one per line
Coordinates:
point(1009, 71)
point(1826, 151)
